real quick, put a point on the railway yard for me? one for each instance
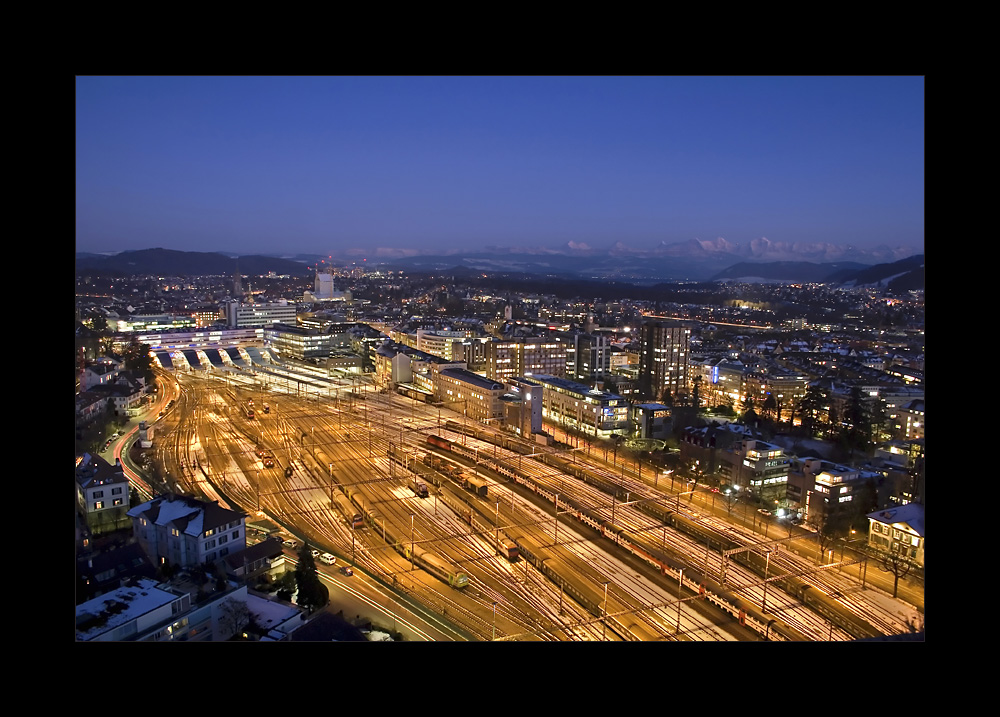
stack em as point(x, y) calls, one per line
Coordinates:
point(507, 539)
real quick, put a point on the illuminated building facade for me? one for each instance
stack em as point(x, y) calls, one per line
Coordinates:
point(239, 315)
point(579, 406)
point(663, 358)
point(531, 356)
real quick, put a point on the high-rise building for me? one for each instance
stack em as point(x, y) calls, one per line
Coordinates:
point(509, 358)
point(663, 358)
point(588, 356)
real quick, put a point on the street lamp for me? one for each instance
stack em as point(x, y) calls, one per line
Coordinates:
point(494, 621)
point(767, 564)
point(604, 630)
point(680, 584)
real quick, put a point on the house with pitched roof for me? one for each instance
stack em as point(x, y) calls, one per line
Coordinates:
point(102, 494)
point(899, 529)
point(186, 531)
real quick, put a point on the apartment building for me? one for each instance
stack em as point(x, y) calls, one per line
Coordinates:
point(102, 494)
point(186, 531)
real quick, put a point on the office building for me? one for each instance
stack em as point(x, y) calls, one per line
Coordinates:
point(663, 359)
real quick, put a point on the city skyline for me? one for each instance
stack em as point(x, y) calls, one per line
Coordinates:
point(426, 164)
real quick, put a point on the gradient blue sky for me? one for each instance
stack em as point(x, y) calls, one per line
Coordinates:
point(320, 164)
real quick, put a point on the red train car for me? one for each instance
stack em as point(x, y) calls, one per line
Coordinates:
point(439, 442)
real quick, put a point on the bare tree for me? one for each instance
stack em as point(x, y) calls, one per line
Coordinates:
point(234, 615)
point(896, 562)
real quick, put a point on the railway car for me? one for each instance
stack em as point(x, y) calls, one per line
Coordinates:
point(464, 512)
point(344, 505)
point(828, 607)
point(439, 442)
point(476, 485)
point(438, 567)
point(580, 589)
point(418, 487)
point(507, 548)
point(531, 551)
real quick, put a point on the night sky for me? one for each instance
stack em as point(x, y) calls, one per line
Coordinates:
point(280, 165)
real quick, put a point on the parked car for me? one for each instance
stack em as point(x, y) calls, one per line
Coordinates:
point(327, 559)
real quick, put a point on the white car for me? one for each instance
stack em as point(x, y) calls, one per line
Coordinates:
point(327, 559)
point(290, 543)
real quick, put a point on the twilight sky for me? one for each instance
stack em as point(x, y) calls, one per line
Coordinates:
point(321, 164)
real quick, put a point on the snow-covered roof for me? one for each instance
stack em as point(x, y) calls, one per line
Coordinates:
point(108, 611)
point(911, 514)
point(188, 515)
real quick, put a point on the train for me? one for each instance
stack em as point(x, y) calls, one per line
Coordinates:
point(348, 510)
point(418, 487)
point(507, 548)
point(439, 442)
point(475, 485)
point(497, 538)
point(814, 598)
point(436, 566)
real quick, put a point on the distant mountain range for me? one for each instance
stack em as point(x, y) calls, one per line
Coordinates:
point(903, 275)
point(694, 260)
point(168, 262)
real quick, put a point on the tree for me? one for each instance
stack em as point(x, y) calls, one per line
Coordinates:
point(770, 407)
point(809, 407)
point(834, 525)
point(136, 358)
point(730, 497)
point(234, 616)
point(893, 561)
point(858, 431)
point(286, 586)
point(312, 593)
